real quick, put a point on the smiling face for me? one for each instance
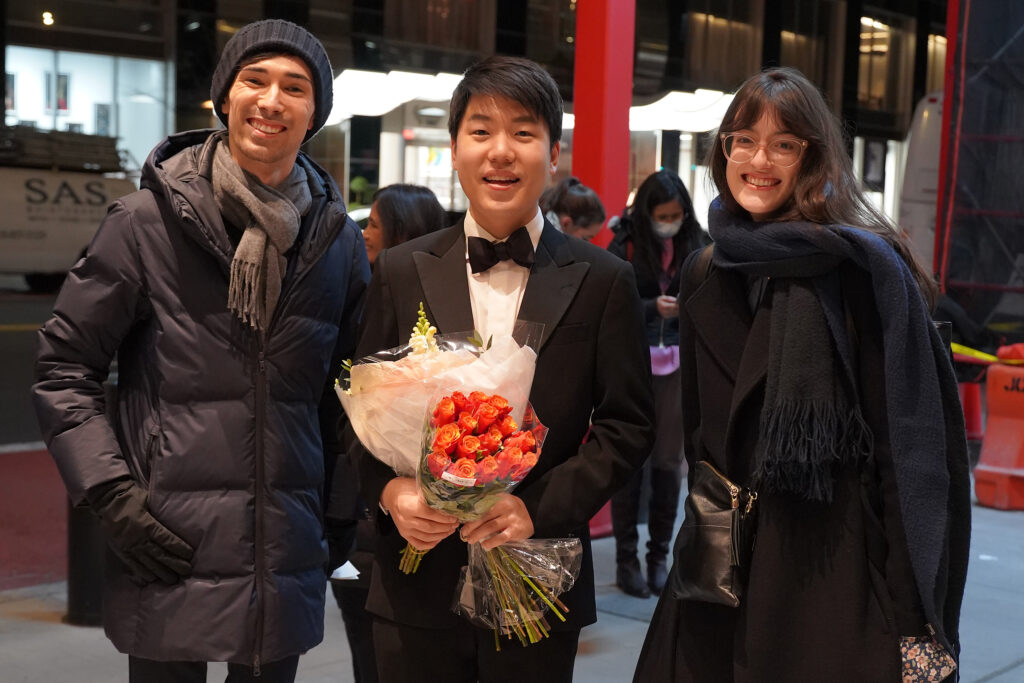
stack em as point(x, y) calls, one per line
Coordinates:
point(758, 185)
point(270, 108)
point(504, 158)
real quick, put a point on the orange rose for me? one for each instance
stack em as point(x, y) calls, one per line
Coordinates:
point(460, 401)
point(444, 412)
point(464, 468)
point(508, 459)
point(507, 425)
point(446, 437)
point(525, 465)
point(501, 403)
point(438, 462)
point(468, 447)
point(485, 415)
point(521, 440)
point(467, 423)
point(486, 470)
point(478, 397)
point(491, 441)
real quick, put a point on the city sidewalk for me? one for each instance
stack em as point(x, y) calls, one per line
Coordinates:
point(35, 647)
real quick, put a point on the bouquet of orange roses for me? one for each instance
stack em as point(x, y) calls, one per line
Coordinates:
point(387, 395)
point(473, 451)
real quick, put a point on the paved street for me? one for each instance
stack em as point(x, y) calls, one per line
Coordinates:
point(35, 647)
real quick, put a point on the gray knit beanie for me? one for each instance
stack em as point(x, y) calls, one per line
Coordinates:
point(276, 35)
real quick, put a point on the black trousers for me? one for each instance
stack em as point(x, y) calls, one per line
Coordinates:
point(150, 671)
point(466, 654)
point(359, 629)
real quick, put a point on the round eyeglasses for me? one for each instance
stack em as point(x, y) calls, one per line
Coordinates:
point(782, 152)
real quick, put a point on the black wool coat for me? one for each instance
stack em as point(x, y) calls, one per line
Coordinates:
point(831, 589)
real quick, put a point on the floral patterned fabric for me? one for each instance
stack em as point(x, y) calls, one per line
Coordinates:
point(924, 660)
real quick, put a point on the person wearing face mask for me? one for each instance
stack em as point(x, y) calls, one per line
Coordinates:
point(655, 234)
point(573, 208)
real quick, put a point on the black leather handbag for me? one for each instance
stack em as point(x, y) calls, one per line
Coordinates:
point(715, 542)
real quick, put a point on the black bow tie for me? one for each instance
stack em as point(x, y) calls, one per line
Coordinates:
point(484, 253)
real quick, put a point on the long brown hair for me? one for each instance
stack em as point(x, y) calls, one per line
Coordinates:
point(826, 190)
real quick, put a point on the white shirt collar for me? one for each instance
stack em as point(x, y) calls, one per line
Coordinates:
point(535, 227)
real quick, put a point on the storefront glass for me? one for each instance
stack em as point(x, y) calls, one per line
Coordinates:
point(88, 93)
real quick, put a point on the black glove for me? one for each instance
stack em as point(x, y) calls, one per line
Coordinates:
point(149, 551)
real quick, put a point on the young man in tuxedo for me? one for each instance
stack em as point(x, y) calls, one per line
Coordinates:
point(592, 371)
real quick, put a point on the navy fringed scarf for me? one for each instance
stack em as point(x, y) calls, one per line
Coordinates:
point(825, 419)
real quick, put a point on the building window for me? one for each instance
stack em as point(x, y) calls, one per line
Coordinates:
point(724, 39)
point(436, 35)
point(936, 78)
point(810, 36)
point(886, 64)
point(79, 92)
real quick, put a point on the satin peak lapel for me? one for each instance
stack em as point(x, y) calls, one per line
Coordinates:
point(445, 285)
point(554, 281)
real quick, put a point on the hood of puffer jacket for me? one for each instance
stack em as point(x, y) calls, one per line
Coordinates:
point(179, 169)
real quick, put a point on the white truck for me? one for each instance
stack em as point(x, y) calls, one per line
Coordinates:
point(48, 219)
point(921, 177)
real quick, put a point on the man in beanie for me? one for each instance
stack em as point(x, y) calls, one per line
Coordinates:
point(229, 287)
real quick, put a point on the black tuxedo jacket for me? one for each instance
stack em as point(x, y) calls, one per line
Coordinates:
point(593, 368)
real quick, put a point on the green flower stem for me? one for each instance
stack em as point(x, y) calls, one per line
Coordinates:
point(532, 585)
point(410, 559)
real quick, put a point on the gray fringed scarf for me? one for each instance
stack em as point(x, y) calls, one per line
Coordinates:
point(270, 218)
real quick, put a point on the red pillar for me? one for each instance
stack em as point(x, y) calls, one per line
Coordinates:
point(602, 94)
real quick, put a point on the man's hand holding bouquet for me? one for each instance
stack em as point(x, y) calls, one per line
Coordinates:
point(455, 415)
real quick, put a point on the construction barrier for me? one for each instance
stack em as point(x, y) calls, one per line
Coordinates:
point(999, 476)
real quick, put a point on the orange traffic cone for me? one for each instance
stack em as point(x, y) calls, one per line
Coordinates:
point(999, 476)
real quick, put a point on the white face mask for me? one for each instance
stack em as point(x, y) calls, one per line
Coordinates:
point(667, 230)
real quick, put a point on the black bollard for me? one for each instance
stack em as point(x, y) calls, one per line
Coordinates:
point(86, 561)
point(87, 549)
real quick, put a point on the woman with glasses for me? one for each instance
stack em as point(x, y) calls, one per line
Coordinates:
point(818, 396)
point(655, 234)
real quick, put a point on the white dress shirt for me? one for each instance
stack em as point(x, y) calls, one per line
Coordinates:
point(496, 293)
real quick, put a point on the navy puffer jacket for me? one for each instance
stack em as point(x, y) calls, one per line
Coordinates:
point(220, 425)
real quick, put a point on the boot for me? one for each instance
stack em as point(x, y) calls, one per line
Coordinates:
point(630, 580)
point(665, 488)
point(625, 506)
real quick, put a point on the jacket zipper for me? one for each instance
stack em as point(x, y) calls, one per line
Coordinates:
point(261, 387)
point(301, 269)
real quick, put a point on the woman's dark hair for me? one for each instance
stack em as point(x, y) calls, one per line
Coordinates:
point(574, 199)
point(513, 78)
point(406, 212)
point(660, 187)
point(826, 190)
